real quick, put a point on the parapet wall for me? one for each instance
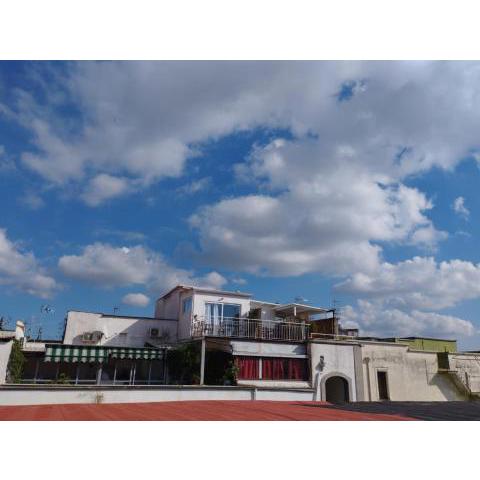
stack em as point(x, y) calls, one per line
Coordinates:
point(44, 395)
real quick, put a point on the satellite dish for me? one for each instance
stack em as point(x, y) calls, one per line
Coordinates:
point(300, 299)
point(47, 309)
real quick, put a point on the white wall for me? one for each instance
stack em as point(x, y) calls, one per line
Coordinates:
point(55, 395)
point(411, 375)
point(275, 383)
point(168, 307)
point(136, 329)
point(5, 349)
point(265, 349)
point(338, 360)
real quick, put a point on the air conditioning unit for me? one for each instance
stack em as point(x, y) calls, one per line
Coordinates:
point(154, 333)
point(91, 337)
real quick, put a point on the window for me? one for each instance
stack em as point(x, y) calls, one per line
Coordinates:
point(382, 385)
point(214, 312)
point(187, 305)
point(255, 368)
point(231, 310)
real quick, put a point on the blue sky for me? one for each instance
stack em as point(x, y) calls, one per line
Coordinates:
point(349, 180)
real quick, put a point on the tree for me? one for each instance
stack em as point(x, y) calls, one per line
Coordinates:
point(16, 363)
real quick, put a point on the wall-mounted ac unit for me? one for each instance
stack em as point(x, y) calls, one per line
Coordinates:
point(154, 333)
point(91, 337)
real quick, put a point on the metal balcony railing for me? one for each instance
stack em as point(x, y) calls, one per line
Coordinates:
point(250, 328)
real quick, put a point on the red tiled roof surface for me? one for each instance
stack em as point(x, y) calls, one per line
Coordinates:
point(190, 410)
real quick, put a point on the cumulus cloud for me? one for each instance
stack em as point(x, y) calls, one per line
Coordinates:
point(331, 215)
point(144, 119)
point(20, 270)
point(136, 299)
point(373, 319)
point(460, 208)
point(108, 266)
point(421, 282)
point(104, 187)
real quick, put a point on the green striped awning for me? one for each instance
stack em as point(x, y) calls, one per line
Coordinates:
point(98, 354)
point(136, 353)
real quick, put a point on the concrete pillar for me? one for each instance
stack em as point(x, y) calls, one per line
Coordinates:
point(99, 374)
point(202, 363)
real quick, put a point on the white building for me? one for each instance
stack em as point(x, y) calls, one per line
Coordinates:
point(271, 345)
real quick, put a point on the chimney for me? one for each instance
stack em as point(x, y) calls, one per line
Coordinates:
point(19, 330)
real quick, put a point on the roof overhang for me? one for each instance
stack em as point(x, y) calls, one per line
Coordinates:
point(206, 290)
point(296, 308)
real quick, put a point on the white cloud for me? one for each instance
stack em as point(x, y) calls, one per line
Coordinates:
point(373, 319)
point(108, 266)
point(104, 187)
point(32, 200)
point(460, 208)
point(418, 283)
point(20, 270)
point(144, 119)
point(331, 217)
point(196, 186)
point(136, 300)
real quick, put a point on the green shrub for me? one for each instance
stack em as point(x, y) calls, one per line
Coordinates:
point(184, 364)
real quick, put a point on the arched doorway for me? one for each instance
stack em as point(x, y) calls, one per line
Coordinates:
point(336, 390)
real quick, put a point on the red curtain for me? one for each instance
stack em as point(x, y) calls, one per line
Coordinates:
point(296, 369)
point(283, 369)
point(273, 369)
point(267, 368)
point(248, 368)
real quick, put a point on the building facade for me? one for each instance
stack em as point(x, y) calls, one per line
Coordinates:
point(267, 344)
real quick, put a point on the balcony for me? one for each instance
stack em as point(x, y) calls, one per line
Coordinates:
point(250, 329)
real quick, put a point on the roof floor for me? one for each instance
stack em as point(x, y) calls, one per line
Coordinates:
point(193, 410)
